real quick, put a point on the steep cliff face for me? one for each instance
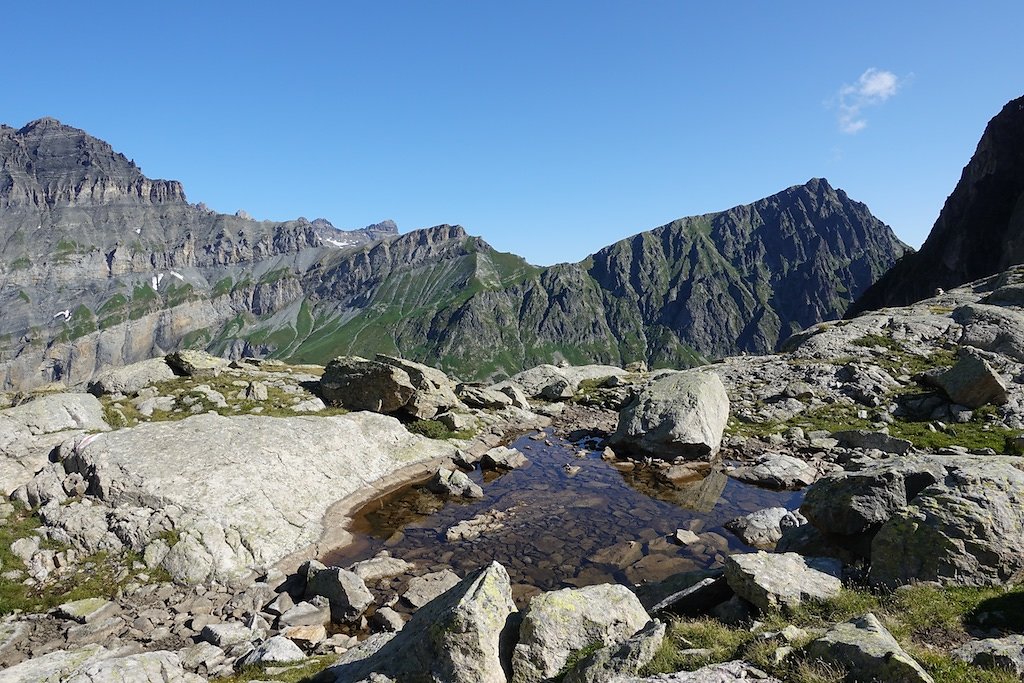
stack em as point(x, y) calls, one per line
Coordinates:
point(98, 262)
point(980, 230)
point(703, 287)
point(101, 266)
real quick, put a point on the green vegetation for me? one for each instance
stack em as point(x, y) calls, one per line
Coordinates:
point(81, 323)
point(21, 263)
point(222, 287)
point(23, 296)
point(275, 275)
point(432, 429)
point(300, 673)
point(926, 620)
point(114, 303)
point(99, 575)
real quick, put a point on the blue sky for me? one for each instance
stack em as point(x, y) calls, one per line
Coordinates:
point(549, 128)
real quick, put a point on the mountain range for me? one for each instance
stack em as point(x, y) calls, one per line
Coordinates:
point(101, 266)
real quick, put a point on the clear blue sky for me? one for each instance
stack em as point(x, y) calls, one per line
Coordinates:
point(549, 128)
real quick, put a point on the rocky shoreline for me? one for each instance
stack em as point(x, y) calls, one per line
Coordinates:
point(195, 495)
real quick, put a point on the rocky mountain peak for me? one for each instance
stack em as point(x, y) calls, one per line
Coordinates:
point(980, 230)
point(49, 164)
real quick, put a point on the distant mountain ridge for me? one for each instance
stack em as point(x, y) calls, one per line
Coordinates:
point(100, 266)
point(980, 230)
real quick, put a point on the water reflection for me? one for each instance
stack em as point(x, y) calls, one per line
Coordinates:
point(551, 528)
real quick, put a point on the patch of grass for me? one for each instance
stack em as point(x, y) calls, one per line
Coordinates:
point(99, 575)
point(972, 435)
point(306, 672)
point(222, 287)
point(928, 621)
point(575, 657)
point(433, 429)
point(21, 263)
point(23, 296)
point(940, 310)
point(114, 303)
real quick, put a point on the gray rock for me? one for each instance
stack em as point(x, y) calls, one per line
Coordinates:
point(972, 382)
point(196, 364)
point(381, 566)
point(777, 471)
point(256, 391)
point(238, 512)
point(763, 528)
point(682, 414)
point(434, 391)
point(770, 580)
point(423, 589)
point(345, 590)
point(387, 619)
point(456, 638)
point(131, 379)
point(454, 483)
point(87, 610)
point(96, 664)
point(58, 413)
point(967, 528)
point(314, 612)
point(502, 458)
point(274, 650)
point(1005, 653)
point(360, 384)
point(481, 398)
point(559, 624)
point(854, 502)
point(625, 659)
point(201, 654)
point(519, 398)
point(864, 646)
point(226, 635)
point(866, 439)
point(729, 672)
point(457, 422)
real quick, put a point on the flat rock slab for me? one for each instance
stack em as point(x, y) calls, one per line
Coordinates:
point(770, 580)
point(729, 672)
point(1006, 653)
point(96, 664)
point(423, 589)
point(87, 610)
point(863, 438)
point(777, 471)
point(863, 645)
point(255, 488)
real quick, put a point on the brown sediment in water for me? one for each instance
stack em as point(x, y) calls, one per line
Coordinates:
point(560, 525)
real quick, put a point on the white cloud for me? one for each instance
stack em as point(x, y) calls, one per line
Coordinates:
point(874, 87)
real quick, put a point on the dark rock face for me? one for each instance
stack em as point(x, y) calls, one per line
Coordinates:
point(980, 230)
point(101, 266)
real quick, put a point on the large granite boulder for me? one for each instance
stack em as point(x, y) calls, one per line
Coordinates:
point(680, 414)
point(457, 637)
point(360, 384)
point(952, 519)
point(388, 385)
point(560, 624)
point(863, 646)
point(967, 528)
point(131, 379)
point(554, 383)
point(435, 392)
point(239, 491)
point(196, 364)
point(770, 580)
point(972, 382)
